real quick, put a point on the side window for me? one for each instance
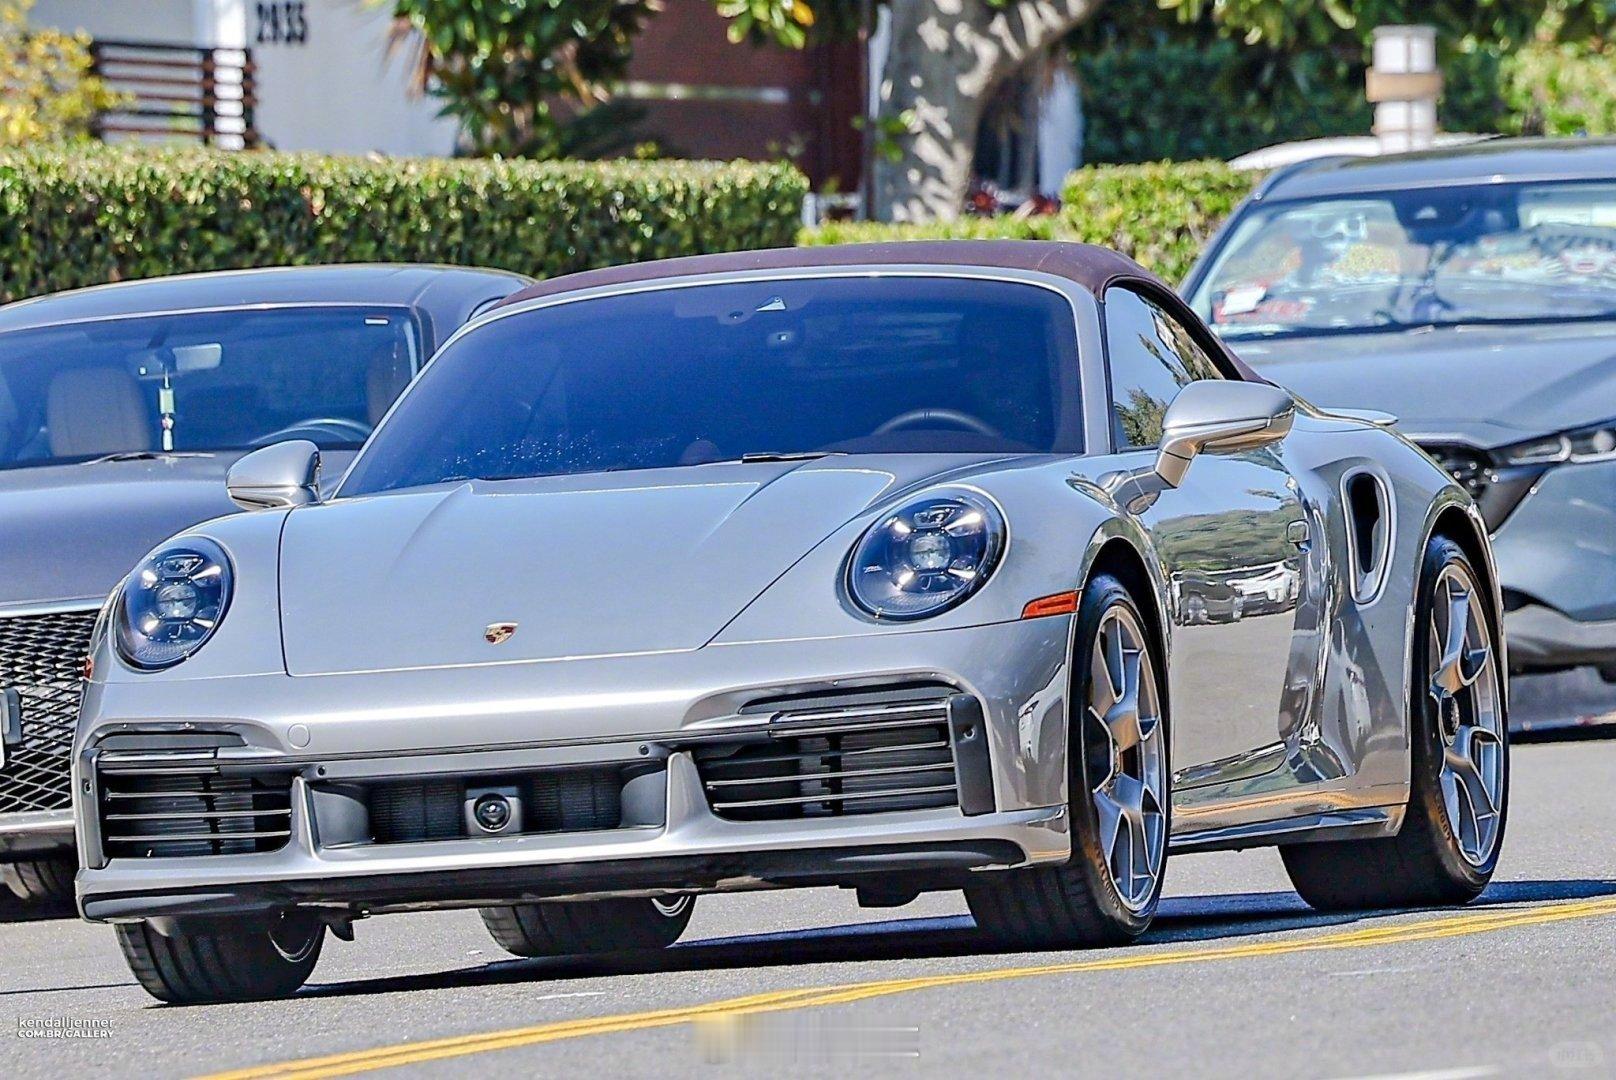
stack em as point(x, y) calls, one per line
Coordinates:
point(1151, 356)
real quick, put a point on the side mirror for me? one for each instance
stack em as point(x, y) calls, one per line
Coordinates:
point(1219, 415)
point(284, 474)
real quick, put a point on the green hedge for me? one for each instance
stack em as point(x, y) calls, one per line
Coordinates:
point(1216, 99)
point(85, 216)
point(1161, 214)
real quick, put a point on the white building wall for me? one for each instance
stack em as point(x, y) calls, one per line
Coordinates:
point(127, 20)
point(337, 89)
point(325, 78)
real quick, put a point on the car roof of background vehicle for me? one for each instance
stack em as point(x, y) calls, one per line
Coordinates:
point(1493, 161)
point(381, 284)
point(1092, 268)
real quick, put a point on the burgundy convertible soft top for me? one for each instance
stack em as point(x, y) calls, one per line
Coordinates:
point(1093, 268)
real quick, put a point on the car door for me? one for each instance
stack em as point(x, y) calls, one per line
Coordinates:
point(1231, 540)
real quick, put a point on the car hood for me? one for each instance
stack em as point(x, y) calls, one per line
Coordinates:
point(589, 565)
point(1486, 385)
point(71, 532)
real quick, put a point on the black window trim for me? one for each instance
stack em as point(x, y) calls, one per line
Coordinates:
point(1170, 302)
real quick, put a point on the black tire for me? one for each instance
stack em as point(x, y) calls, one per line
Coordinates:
point(1077, 903)
point(47, 880)
point(589, 927)
point(219, 960)
point(1422, 866)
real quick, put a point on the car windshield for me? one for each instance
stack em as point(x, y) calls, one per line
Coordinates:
point(763, 369)
point(1538, 252)
point(224, 380)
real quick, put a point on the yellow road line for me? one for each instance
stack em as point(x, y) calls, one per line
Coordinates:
point(1474, 922)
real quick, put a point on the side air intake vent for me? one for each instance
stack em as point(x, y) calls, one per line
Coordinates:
point(1368, 533)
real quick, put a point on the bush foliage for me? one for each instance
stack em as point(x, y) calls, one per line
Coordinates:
point(47, 93)
point(1160, 214)
point(79, 218)
point(1221, 98)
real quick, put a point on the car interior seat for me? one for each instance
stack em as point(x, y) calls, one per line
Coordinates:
point(96, 410)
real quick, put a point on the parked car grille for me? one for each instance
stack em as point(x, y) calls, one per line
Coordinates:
point(857, 758)
point(1470, 467)
point(181, 804)
point(42, 658)
point(1498, 489)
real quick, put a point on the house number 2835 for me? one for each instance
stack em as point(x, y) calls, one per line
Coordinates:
point(282, 22)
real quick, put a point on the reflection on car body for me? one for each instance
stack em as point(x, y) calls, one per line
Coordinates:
point(1226, 596)
point(869, 566)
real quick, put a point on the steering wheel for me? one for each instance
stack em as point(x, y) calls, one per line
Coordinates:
point(928, 417)
point(315, 428)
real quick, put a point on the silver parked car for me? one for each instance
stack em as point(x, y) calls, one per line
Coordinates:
point(1471, 292)
point(842, 566)
point(121, 408)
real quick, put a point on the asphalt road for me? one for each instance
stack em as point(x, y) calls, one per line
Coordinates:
point(1237, 979)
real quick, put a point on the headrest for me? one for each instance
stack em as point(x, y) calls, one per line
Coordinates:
point(91, 411)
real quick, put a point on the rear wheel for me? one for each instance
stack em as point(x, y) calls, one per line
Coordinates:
point(1448, 846)
point(47, 880)
point(1120, 798)
point(596, 926)
point(246, 959)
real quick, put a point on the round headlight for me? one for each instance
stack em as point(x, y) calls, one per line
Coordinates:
point(925, 557)
point(172, 603)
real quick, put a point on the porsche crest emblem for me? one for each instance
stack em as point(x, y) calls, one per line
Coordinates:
point(498, 633)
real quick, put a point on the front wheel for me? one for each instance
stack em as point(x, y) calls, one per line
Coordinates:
point(1120, 798)
point(594, 926)
point(214, 960)
point(1453, 829)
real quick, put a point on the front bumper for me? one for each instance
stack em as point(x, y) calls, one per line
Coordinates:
point(1542, 638)
point(35, 833)
point(1556, 555)
point(358, 729)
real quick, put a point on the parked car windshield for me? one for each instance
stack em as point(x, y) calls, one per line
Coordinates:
point(224, 380)
point(1482, 253)
point(702, 374)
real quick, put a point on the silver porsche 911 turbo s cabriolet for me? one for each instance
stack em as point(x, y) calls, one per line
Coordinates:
point(897, 567)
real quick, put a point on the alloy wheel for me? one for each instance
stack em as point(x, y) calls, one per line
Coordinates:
point(671, 906)
point(294, 934)
point(1125, 763)
point(1464, 691)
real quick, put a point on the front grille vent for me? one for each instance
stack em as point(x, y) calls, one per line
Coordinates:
point(859, 758)
point(42, 658)
point(180, 805)
point(558, 800)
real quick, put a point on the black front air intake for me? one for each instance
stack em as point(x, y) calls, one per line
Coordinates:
point(852, 755)
point(157, 809)
point(554, 800)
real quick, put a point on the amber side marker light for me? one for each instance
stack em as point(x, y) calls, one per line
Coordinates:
point(1061, 603)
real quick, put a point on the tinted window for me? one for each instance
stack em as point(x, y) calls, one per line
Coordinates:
point(1151, 356)
point(207, 381)
point(689, 376)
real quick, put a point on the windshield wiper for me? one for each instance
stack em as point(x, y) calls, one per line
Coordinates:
point(141, 455)
point(784, 455)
